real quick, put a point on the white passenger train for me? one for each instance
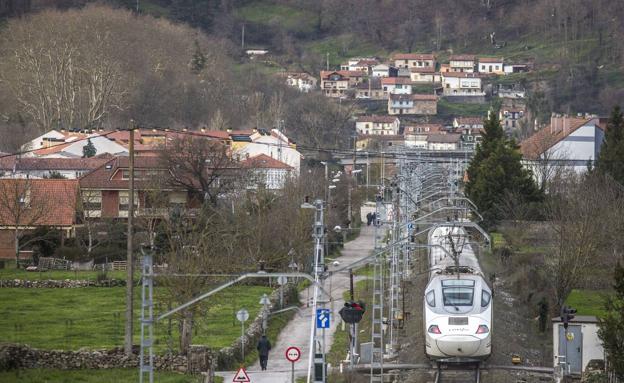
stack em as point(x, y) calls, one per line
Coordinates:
point(457, 302)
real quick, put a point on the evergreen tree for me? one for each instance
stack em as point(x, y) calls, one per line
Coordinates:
point(89, 149)
point(611, 330)
point(496, 170)
point(198, 61)
point(611, 158)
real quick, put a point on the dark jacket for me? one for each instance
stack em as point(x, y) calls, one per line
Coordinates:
point(264, 346)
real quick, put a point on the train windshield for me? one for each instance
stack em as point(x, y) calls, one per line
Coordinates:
point(457, 292)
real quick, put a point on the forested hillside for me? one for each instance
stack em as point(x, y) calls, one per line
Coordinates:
point(577, 46)
point(99, 67)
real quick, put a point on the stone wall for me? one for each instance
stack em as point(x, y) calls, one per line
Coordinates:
point(61, 283)
point(15, 356)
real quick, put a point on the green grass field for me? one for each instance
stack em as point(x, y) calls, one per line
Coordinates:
point(343, 47)
point(94, 317)
point(446, 109)
point(92, 376)
point(290, 18)
point(588, 302)
point(13, 273)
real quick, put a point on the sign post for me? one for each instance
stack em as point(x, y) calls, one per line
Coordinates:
point(293, 354)
point(242, 315)
point(282, 281)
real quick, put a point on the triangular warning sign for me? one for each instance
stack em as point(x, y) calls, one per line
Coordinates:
point(241, 376)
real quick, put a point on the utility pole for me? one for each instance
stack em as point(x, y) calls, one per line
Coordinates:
point(129, 260)
point(317, 343)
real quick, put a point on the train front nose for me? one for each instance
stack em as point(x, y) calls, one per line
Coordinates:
point(459, 345)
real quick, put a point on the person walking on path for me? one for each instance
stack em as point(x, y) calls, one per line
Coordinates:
point(369, 218)
point(264, 346)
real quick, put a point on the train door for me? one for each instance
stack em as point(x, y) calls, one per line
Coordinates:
point(571, 347)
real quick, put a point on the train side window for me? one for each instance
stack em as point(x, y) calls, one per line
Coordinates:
point(431, 298)
point(485, 298)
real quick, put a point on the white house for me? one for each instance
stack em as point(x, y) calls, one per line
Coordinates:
point(304, 82)
point(36, 167)
point(381, 70)
point(273, 144)
point(396, 85)
point(491, 65)
point(416, 135)
point(449, 141)
point(461, 84)
point(575, 347)
point(571, 142)
point(462, 63)
point(424, 104)
point(363, 64)
point(266, 172)
point(377, 125)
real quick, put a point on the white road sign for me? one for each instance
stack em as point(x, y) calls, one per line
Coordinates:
point(241, 376)
point(242, 315)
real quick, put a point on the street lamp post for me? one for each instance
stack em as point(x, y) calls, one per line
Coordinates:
point(265, 302)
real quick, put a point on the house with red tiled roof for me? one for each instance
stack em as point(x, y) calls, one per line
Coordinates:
point(266, 172)
point(426, 75)
point(105, 190)
point(377, 125)
point(570, 142)
point(396, 85)
point(27, 204)
point(491, 65)
point(361, 64)
point(414, 60)
point(336, 83)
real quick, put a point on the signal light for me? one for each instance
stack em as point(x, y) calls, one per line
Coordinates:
point(352, 312)
point(483, 329)
point(434, 329)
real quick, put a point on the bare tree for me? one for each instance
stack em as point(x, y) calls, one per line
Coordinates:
point(581, 209)
point(201, 165)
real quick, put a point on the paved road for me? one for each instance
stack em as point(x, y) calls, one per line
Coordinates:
point(297, 331)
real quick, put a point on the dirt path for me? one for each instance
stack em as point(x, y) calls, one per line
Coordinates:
point(297, 331)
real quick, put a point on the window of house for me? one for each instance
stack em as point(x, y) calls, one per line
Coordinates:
point(124, 202)
point(490, 68)
point(91, 200)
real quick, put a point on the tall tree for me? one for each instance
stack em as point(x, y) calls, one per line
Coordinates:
point(611, 330)
point(89, 149)
point(496, 170)
point(611, 159)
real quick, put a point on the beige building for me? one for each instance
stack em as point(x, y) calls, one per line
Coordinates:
point(377, 125)
point(414, 60)
point(426, 75)
point(462, 63)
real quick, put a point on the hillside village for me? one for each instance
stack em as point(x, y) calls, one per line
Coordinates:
point(286, 191)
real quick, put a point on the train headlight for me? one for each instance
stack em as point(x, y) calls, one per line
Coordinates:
point(434, 329)
point(483, 329)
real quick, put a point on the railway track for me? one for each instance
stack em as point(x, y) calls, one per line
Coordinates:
point(458, 373)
